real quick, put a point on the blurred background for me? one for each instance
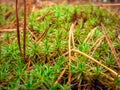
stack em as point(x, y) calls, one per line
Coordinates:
point(108, 4)
point(66, 1)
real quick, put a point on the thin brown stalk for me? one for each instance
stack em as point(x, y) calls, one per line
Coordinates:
point(18, 31)
point(24, 32)
point(110, 45)
point(94, 60)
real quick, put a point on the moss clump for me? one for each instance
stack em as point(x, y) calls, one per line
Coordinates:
point(47, 56)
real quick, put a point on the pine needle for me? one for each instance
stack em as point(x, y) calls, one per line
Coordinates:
point(111, 46)
point(94, 60)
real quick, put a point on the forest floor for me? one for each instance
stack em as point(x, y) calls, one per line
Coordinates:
point(68, 47)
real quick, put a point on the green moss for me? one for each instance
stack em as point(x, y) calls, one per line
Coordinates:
point(47, 55)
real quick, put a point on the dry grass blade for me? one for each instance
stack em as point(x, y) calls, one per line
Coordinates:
point(94, 60)
point(43, 17)
point(71, 40)
point(62, 73)
point(111, 46)
point(44, 34)
point(18, 31)
point(89, 36)
point(24, 32)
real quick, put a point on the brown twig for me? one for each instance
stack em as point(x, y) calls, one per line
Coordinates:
point(24, 32)
point(18, 32)
point(111, 46)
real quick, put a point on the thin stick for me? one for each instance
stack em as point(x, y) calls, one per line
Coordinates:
point(18, 31)
point(111, 46)
point(24, 32)
point(94, 60)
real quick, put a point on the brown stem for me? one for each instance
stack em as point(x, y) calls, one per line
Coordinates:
point(24, 32)
point(18, 31)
